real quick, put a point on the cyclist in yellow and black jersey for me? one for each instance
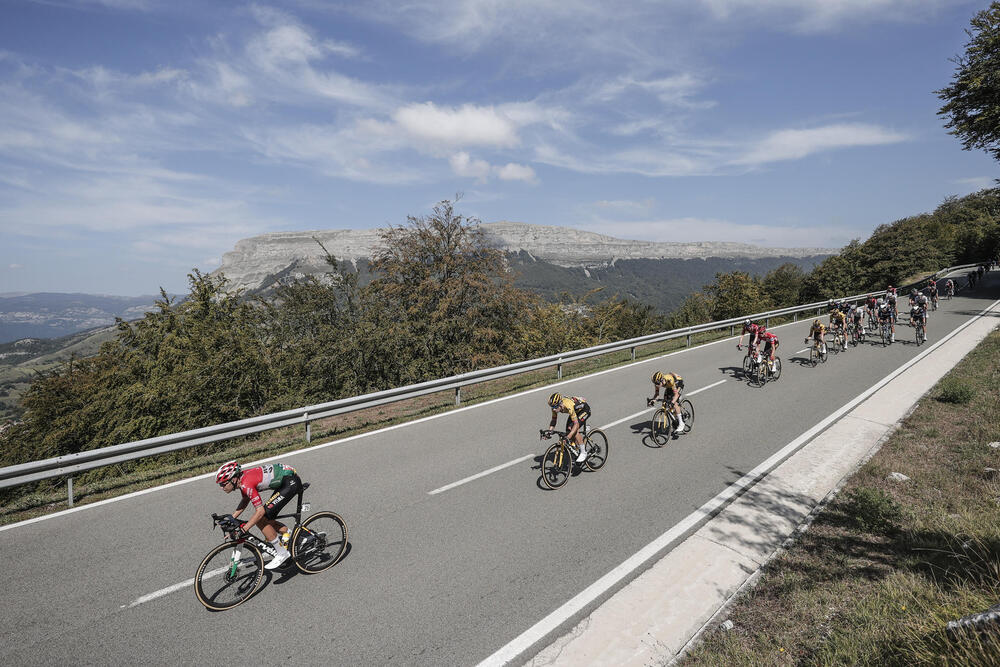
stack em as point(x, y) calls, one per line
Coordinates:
point(816, 333)
point(577, 410)
point(672, 384)
point(838, 324)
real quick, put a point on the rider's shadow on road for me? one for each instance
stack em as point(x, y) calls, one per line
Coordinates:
point(801, 361)
point(735, 372)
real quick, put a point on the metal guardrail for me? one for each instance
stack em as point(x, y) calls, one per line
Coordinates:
point(95, 458)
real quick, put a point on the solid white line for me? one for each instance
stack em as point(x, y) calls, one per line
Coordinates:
point(537, 632)
point(803, 350)
point(482, 474)
point(166, 591)
point(698, 391)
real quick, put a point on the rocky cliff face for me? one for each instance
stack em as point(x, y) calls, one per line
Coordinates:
point(256, 261)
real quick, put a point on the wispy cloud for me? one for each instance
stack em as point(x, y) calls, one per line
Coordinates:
point(795, 144)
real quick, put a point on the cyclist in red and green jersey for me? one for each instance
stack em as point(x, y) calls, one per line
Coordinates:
point(285, 484)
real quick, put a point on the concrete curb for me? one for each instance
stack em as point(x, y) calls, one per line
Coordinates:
point(658, 615)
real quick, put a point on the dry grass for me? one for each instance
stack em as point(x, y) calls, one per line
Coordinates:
point(886, 565)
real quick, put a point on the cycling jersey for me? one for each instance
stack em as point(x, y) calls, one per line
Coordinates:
point(574, 407)
point(884, 314)
point(262, 478)
point(837, 318)
point(817, 330)
point(672, 382)
point(769, 339)
point(917, 313)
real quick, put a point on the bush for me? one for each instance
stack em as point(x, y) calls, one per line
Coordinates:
point(872, 510)
point(956, 391)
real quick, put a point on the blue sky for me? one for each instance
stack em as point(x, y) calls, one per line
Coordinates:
point(142, 138)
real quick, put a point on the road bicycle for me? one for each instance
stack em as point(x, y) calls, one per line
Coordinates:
point(886, 332)
point(664, 422)
point(817, 353)
point(838, 340)
point(233, 571)
point(559, 459)
point(764, 372)
point(934, 301)
point(949, 292)
point(750, 361)
point(857, 333)
point(920, 332)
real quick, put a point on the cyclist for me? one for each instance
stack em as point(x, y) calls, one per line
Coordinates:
point(816, 332)
point(922, 301)
point(885, 317)
point(285, 483)
point(918, 315)
point(857, 316)
point(949, 288)
point(770, 345)
point(672, 384)
point(577, 410)
point(932, 290)
point(872, 309)
point(754, 330)
point(838, 325)
point(890, 298)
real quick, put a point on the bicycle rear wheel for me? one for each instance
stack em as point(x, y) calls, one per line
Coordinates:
point(597, 447)
point(661, 427)
point(229, 575)
point(776, 373)
point(557, 465)
point(687, 411)
point(319, 542)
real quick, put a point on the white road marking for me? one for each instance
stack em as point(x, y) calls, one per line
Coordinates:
point(478, 475)
point(540, 630)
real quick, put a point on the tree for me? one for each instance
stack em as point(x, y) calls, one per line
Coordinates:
point(783, 284)
point(736, 294)
point(972, 101)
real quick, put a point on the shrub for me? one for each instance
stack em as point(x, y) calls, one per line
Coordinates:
point(954, 390)
point(872, 510)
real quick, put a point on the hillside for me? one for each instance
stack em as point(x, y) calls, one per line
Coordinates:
point(53, 315)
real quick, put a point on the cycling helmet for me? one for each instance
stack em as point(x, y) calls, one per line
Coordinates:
point(555, 399)
point(657, 378)
point(227, 472)
point(816, 322)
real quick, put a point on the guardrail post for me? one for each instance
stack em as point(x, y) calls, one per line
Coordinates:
point(767, 321)
point(308, 428)
point(69, 490)
point(732, 330)
point(689, 340)
point(633, 354)
point(795, 317)
point(458, 395)
point(559, 371)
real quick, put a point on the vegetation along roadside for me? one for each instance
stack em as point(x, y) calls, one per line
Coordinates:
point(886, 564)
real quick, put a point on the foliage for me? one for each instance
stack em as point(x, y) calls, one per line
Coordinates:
point(872, 510)
point(972, 101)
point(952, 390)
point(735, 294)
point(783, 285)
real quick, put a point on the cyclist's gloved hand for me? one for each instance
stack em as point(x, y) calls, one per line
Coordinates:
point(649, 402)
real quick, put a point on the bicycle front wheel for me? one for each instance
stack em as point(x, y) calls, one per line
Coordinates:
point(776, 373)
point(747, 366)
point(597, 449)
point(661, 427)
point(229, 575)
point(557, 465)
point(319, 543)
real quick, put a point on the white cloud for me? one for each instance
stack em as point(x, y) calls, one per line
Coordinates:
point(797, 144)
point(825, 15)
point(978, 182)
point(468, 125)
point(463, 165)
point(516, 172)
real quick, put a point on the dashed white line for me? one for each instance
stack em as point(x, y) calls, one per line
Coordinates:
point(477, 476)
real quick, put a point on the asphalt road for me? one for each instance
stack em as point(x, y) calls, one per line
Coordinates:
point(442, 578)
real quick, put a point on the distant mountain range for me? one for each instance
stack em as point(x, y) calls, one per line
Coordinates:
point(545, 259)
point(52, 315)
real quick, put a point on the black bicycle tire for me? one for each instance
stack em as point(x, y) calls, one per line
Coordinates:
point(297, 557)
point(747, 366)
point(199, 575)
point(607, 446)
point(687, 409)
point(566, 461)
point(761, 373)
point(660, 427)
point(777, 369)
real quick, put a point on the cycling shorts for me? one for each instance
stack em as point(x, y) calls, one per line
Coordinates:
point(291, 485)
point(582, 412)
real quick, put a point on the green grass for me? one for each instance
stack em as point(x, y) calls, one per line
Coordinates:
point(885, 565)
